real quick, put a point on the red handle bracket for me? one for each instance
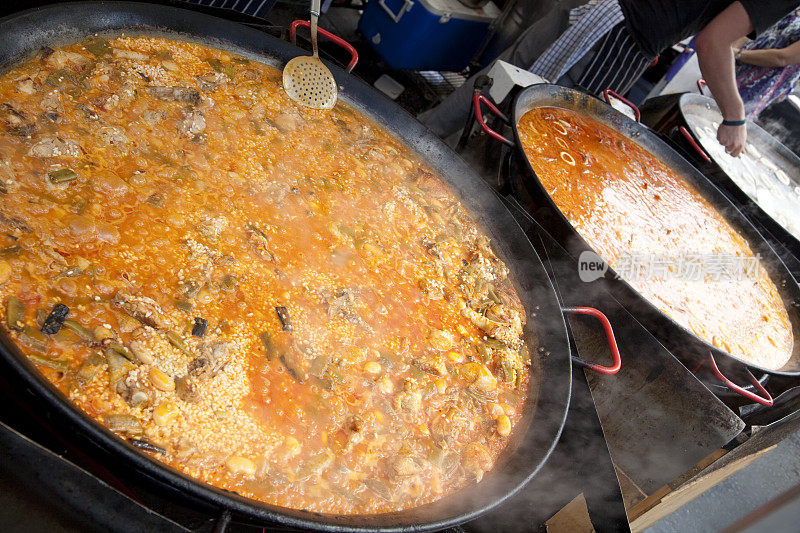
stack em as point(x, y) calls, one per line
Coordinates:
point(476, 103)
point(691, 141)
point(335, 38)
point(608, 93)
point(763, 400)
point(700, 84)
point(612, 342)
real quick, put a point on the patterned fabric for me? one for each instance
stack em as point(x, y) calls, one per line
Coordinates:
point(593, 21)
point(761, 86)
point(617, 63)
point(254, 8)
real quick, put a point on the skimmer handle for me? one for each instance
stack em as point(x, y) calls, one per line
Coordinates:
point(315, 6)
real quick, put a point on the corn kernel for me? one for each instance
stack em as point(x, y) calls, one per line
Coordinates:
point(441, 385)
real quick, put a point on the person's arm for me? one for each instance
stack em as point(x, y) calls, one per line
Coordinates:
point(771, 57)
point(715, 55)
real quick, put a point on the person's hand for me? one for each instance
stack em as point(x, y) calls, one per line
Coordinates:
point(732, 138)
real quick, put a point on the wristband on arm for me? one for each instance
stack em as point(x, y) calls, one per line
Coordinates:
point(734, 122)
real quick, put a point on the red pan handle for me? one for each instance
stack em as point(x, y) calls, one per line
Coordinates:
point(694, 144)
point(700, 84)
point(612, 342)
point(763, 400)
point(608, 93)
point(335, 38)
point(476, 104)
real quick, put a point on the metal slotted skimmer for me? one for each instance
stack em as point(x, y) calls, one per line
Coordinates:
point(306, 79)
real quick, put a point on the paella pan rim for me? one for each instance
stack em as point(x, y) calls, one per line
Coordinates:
point(545, 411)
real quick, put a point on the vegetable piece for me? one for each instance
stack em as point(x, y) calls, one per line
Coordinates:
point(57, 364)
point(15, 313)
point(283, 316)
point(147, 446)
point(294, 368)
point(186, 390)
point(118, 366)
point(54, 321)
point(200, 326)
point(33, 338)
point(177, 341)
point(269, 346)
point(63, 175)
point(123, 423)
point(97, 46)
point(8, 251)
point(89, 368)
point(228, 283)
point(183, 305)
point(155, 199)
point(79, 330)
point(122, 350)
point(176, 94)
point(41, 316)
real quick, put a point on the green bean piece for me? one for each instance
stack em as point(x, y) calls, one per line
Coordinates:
point(57, 364)
point(62, 175)
point(41, 316)
point(97, 46)
point(34, 339)
point(228, 283)
point(79, 330)
point(9, 251)
point(123, 423)
point(269, 345)
point(177, 341)
point(15, 313)
point(123, 351)
point(89, 368)
point(293, 366)
point(183, 305)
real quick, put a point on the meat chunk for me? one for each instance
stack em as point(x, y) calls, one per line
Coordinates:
point(212, 360)
point(54, 147)
point(142, 308)
point(185, 95)
point(17, 122)
point(193, 123)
